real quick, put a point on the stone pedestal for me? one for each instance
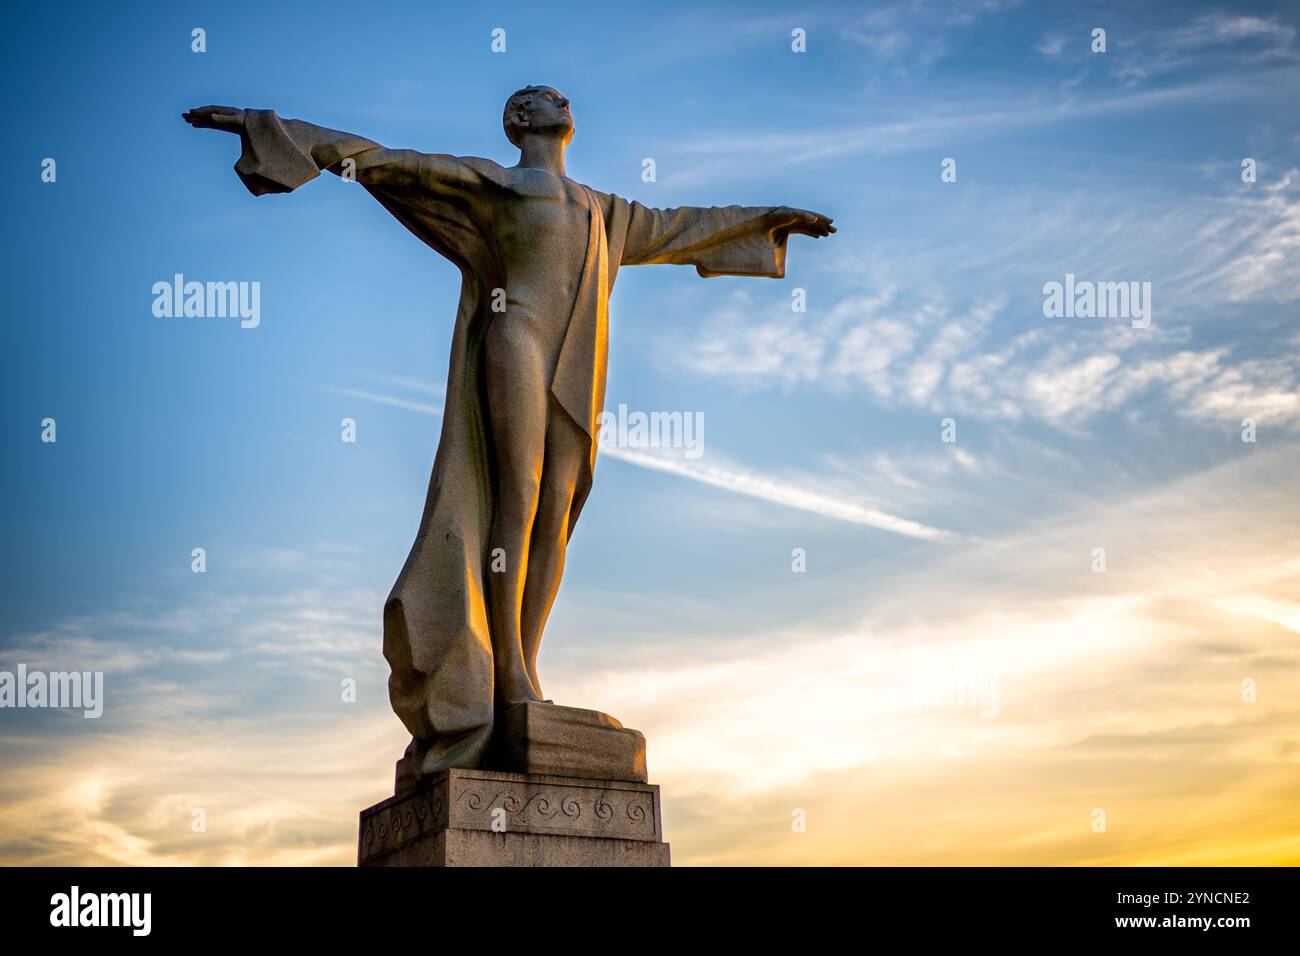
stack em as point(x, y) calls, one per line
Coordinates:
point(491, 818)
point(560, 786)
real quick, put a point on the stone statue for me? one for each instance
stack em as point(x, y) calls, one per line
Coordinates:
point(538, 254)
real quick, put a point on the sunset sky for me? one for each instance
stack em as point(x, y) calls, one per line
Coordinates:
point(1162, 691)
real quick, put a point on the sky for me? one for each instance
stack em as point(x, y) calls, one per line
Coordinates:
point(1068, 636)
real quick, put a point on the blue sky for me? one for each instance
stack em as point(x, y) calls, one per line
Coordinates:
point(179, 433)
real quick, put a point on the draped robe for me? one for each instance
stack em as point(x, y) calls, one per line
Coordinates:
point(436, 627)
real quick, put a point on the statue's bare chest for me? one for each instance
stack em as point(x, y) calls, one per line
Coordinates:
point(538, 208)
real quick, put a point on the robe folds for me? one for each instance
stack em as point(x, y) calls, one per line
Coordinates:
point(436, 627)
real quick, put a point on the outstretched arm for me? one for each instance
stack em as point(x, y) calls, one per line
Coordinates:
point(723, 240)
point(281, 155)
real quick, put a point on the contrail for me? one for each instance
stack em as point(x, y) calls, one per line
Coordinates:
point(420, 407)
point(766, 489)
point(732, 479)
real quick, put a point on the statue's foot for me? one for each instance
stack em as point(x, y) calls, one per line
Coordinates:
point(516, 692)
point(503, 703)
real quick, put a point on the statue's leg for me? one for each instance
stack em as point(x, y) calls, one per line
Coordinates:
point(518, 391)
point(567, 450)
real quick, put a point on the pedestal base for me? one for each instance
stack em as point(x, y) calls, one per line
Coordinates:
point(485, 818)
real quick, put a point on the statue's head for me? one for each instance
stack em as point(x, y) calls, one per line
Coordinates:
point(537, 109)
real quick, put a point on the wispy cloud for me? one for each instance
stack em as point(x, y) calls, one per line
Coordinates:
point(918, 333)
point(913, 35)
point(1208, 42)
point(719, 157)
point(943, 362)
point(1051, 45)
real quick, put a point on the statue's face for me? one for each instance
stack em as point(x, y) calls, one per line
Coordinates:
point(547, 111)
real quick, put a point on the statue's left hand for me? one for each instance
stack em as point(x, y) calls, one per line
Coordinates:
point(804, 222)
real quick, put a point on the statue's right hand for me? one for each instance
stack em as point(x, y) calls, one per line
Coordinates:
point(215, 117)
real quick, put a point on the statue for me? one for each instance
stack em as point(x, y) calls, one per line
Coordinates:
point(538, 254)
